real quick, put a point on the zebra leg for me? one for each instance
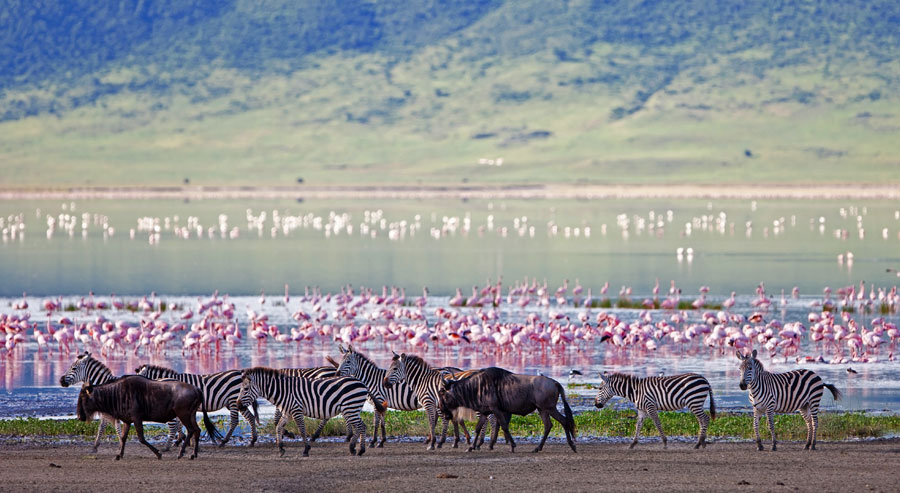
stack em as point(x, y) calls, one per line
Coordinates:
point(122, 439)
point(703, 420)
point(770, 417)
point(233, 410)
point(446, 423)
point(807, 418)
point(431, 411)
point(279, 433)
point(359, 431)
point(495, 431)
point(316, 434)
point(174, 433)
point(655, 417)
point(277, 418)
point(637, 429)
point(756, 415)
point(301, 424)
point(478, 427)
point(377, 418)
point(383, 431)
point(100, 433)
point(815, 425)
point(252, 420)
point(545, 417)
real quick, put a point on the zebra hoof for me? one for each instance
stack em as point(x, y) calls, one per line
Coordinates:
point(380, 444)
point(282, 453)
point(289, 434)
point(361, 451)
point(118, 457)
point(774, 448)
point(470, 449)
point(632, 445)
point(536, 450)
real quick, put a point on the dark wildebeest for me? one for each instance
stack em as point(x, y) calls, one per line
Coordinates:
point(502, 393)
point(135, 399)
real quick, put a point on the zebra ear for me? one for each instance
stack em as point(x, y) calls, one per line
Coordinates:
point(738, 354)
point(350, 348)
point(396, 356)
point(753, 354)
point(605, 377)
point(341, 349)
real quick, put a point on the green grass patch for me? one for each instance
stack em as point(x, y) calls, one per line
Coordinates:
point(604, 423)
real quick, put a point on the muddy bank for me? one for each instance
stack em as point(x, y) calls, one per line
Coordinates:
point(723, 466)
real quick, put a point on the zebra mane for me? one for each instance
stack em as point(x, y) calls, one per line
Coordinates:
point(264, 370)
point(86, 358)
point(158, 368)
point(364, 358)
point(412, 359)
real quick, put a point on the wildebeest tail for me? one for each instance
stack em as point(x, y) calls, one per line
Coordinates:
point(211, 430)
point(834, 391)
point(712, 406)
point(570, 418)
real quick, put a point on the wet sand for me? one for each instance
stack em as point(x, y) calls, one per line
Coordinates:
point(723, 466)
point(512, 191)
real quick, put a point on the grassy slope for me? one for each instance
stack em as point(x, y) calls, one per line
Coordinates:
point(618, 112)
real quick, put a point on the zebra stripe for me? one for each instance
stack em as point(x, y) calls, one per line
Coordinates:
point(298, 397)
point(313, 373)
point(401, 396)
point(426, 382)
point(90, 371)
point(220, 390)
point(770, 393)
point(653, 394)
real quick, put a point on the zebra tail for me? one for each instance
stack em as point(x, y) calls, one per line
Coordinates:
point(332, 361)
point(570, 418)
point(255, 406)
point(712, 406)
point(379, 406)
point(834, 391)
point(211, 430)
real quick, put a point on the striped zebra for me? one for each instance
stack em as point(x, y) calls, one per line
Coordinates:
point(426, 382)
point(90, 371)
point(770, 393)
point(312, 373)
point(220, 390)
point(653, 394)
point(298, 397)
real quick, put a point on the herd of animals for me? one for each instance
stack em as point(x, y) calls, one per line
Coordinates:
point(490, 395)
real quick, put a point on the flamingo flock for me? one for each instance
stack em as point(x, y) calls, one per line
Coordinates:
point(531, 316)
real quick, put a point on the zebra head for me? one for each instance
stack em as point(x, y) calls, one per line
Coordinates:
point(750, 368)
point(249, 386)
point(606, 392)
point(396, 373)
point(78, 371)
point(349, 366)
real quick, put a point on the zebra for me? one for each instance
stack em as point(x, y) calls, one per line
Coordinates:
point(92, 372)
point(298, 397)
point(312, 373)
point(653, 394)
point(220, 390)
point(770, 393)
point(426, 382)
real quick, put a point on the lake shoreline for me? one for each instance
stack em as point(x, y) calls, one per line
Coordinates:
point(513, 191)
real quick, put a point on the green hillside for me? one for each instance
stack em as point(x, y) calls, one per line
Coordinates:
point(241, 92)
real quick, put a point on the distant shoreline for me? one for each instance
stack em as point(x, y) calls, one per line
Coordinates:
point(403, 192)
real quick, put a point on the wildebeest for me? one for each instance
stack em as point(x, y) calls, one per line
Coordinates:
point(135, 399)
point(502, 393)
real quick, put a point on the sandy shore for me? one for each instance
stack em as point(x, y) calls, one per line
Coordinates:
point(840, 466)
point(555, 191)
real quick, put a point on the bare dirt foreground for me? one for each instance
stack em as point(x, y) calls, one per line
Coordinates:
point(845, 466)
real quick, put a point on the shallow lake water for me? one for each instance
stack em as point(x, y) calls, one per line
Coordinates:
point(186, 250)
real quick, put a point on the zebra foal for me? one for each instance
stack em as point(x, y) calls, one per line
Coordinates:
point(653, 394)
point(770, 393)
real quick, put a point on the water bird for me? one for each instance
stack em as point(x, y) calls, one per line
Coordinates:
point(851, 370)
